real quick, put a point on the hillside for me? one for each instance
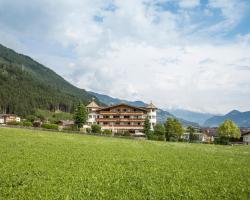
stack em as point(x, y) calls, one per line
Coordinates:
point(162, 115)
point(27, 85)
point(242, 119)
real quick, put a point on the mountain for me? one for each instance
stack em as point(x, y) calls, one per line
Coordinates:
point(197, 117)
point(162, 115)
point(242, 119)
point(27, 85)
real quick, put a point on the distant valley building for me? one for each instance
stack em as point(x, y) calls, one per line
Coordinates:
point(121, 117)
point(5, 118)
point(246, 138)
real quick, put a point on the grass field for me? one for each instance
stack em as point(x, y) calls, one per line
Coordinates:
point(47, 165)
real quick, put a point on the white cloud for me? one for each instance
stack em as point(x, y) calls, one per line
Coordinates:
point(138, 52)
point(189, 3)
point(232, 12)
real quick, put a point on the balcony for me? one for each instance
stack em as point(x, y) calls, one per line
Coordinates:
point(119, 120)
point(120, 113)
point(126, 127)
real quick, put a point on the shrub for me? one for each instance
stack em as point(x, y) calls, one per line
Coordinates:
point(126, 133)
point(72, 127)
point(160, 137)
point(37, 124)
point(50, 126)
point(173, 139)
point(221, 140)
point(151, 136)
point(14, 123)
point(107, 132)
point(31, 118)
point(27, 123)
point(88, 130)
point(96, 128)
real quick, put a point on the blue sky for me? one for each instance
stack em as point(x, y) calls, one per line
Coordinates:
point(191, 54)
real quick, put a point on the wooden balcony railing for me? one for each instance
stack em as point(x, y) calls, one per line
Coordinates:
point(119, 120)
point(120, 113)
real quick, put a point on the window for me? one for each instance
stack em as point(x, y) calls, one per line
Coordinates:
point(126, 117)
point(124, 110)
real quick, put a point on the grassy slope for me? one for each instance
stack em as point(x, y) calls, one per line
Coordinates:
point(41, 165)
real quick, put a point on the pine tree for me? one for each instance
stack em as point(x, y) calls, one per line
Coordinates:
point(80, 115)
point(146, 128)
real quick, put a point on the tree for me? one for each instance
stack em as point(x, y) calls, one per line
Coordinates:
point(191, 132)
point(80, 115)
point(146, 128)
point(95, 128)
point(173, 129)
point(228, 130)
point(159, 132)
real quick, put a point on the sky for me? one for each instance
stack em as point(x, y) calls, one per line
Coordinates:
point(191, 54)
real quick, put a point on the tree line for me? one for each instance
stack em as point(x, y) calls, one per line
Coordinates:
point(172, 130)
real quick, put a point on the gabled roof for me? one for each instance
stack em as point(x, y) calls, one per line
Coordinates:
point(151, 105)
point(246, 133)
point(123, 104)
point(93, 104)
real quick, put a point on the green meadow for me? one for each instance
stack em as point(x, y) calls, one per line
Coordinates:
point(50, 165)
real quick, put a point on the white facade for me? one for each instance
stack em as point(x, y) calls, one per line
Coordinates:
point(1, 120)
point(152, 118)
point(92, 116)
point(246, 138)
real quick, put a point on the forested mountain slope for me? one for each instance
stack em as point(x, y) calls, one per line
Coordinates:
point(27, 85)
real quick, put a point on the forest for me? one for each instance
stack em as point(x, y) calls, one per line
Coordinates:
point(26, 86)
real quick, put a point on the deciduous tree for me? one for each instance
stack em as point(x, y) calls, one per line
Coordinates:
point(228, 130)
point(173, 129)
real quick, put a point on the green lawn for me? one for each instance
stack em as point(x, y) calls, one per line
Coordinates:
point(47, 165)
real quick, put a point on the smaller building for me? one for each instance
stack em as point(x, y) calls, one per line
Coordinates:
point(5, 118)
point(66, 123)
point(246, 138)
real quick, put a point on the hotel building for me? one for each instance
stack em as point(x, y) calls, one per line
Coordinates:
point(121, 117)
